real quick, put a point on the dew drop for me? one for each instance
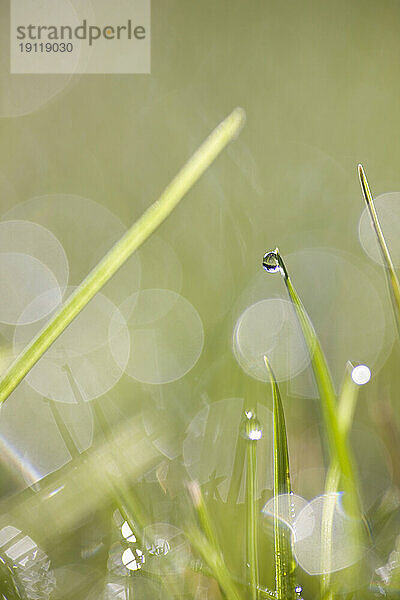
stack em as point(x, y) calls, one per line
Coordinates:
point(271, 262)
point(251, 428)
point(361, 374)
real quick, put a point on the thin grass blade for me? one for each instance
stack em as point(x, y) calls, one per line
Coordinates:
point(122, 250)
point(252, 433)
point(284, 561)
point(393, 282)
point(204, 541)
point(338, 444)
point(346, 409)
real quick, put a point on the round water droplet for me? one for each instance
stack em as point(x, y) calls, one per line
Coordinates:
point(361, 374)
point(271, 262)
point(211, 443)
point(251, 428)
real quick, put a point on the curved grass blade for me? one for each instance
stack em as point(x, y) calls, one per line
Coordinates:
point(393, 282)
point(338, 444)
point(122, 250)
point(284, 561)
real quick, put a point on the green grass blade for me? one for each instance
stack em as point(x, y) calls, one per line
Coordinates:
point(338, 445)
point(393, 282)
point(346, 409)
point(284, 561)
point(252, 433)
point(122, 250)
point(205, 542)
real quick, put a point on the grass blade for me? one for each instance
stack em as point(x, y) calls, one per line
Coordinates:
point(204, 541)
point(393, 282)
point(338, 444)
point(252, 433)
point(122, 250)
point(284, 561)
point(346, 409)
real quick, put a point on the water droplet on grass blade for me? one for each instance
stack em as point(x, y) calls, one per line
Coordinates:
point(361, 374)
point(271, 262)
point(251, 428)
point(212, 443)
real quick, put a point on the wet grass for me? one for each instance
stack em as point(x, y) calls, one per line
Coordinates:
point(337, 411)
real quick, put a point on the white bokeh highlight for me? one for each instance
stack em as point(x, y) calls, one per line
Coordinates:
point(269, 328)
point(166, 334)
point(320, 519)
point(80, 364)
point(32, 262)
point(361, 374)
point(285, 507)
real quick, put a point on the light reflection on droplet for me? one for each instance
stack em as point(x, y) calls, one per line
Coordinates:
point(131, 560)
point(211, 444)
point(361, 374)
point(166, 336)
point(271, 262)
point(269, 328)
point(251, 428)
point(127, 532)
point(80, 364)
point(285, 507)
point(388, 209)
point(310, 539)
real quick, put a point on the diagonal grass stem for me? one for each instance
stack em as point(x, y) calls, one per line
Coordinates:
point(122, 250)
